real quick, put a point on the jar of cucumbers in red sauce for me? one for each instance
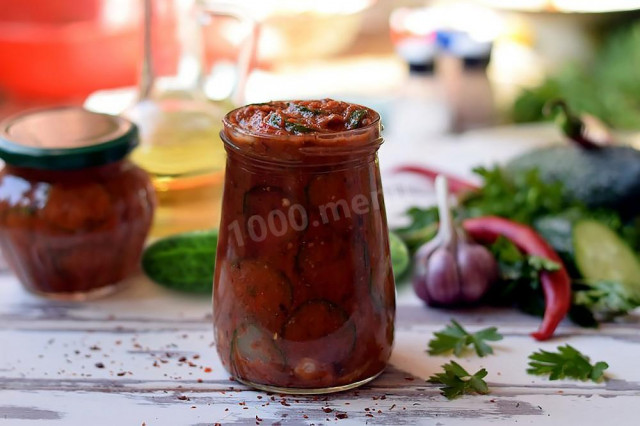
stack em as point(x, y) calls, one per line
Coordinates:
point(74, 212)
point(304, 295)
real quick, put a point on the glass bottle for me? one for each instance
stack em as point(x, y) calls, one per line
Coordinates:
point(179, 127)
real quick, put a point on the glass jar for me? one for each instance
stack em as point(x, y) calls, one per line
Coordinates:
point(74, 212)
point(304, 295)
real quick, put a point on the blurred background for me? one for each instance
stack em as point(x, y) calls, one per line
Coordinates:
point(435, 70)
point(508, 55)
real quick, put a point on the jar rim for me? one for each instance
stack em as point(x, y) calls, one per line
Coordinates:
point(28, 139)
point(295, 148)
point(375, 125)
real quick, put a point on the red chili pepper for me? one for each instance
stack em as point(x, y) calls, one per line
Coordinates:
point(556, 285)
point(456, 185)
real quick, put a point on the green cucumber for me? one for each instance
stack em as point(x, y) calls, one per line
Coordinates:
point(183, 262)
point(399, 254)
point(601, 255)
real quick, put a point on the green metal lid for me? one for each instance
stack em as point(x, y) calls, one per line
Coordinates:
point(65, 138)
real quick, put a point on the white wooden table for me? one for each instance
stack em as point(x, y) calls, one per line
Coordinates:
point(145, 357)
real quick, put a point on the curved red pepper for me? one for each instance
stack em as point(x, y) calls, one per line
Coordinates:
point(456, 185)
point(556, 285)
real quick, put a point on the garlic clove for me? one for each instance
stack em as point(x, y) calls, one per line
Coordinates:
point(478, 270)
point(441, 279)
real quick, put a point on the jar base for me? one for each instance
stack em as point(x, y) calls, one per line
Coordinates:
point(305, 391)
point(84, 296)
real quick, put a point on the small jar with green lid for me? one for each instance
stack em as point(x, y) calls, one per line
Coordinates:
point(74, 211)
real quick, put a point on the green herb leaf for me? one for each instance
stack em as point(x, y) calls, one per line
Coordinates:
point(423, 227)
point(275, 120)
point(355, 118)
point(296, 128)
point(604, 299)
point(540, 263)
point(303, 110)
point(457, 381)
point(455, 338)
point(566, 363)
point(522, 197)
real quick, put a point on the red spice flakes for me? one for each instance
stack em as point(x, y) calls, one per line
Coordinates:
point(341, 416)
point(327, 410)
point(304, 416)
point(208, 370)
point(94, 348)
point(383, 397)
point(118, 342)
point(367, 409)
point(259, 397)
point(410, 379)
point(217, 424)
point(183, 398)
point(285, 403)
point(368, 415)
point(99, 365)
point(122, 373)
point(182, 359)
point(200, 380)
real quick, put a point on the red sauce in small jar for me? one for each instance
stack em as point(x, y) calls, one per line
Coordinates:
point(74, 212)
point(304, 296)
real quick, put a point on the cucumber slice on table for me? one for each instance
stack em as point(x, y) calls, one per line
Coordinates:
point(183, 262)
point(601, 255)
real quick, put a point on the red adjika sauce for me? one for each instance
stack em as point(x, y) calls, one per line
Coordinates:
point(302, 117)
point(304, 296)
point(74, 212)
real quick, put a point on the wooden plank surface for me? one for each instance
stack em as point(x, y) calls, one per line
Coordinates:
point(145, 356)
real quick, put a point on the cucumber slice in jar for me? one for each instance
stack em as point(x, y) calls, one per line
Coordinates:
point(254, 352)
point(268, 219)
point(601, 255)
point(262, 291)
point(319, 330)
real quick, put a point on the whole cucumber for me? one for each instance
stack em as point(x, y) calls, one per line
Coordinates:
point(183, 262)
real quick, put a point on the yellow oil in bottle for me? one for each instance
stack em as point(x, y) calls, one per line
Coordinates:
point(180, 148)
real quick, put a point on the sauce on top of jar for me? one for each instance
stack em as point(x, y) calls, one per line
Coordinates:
point(302, 117)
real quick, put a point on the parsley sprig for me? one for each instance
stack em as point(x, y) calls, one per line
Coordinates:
point(457, 381)
point(455, 338)
point(568, 362)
